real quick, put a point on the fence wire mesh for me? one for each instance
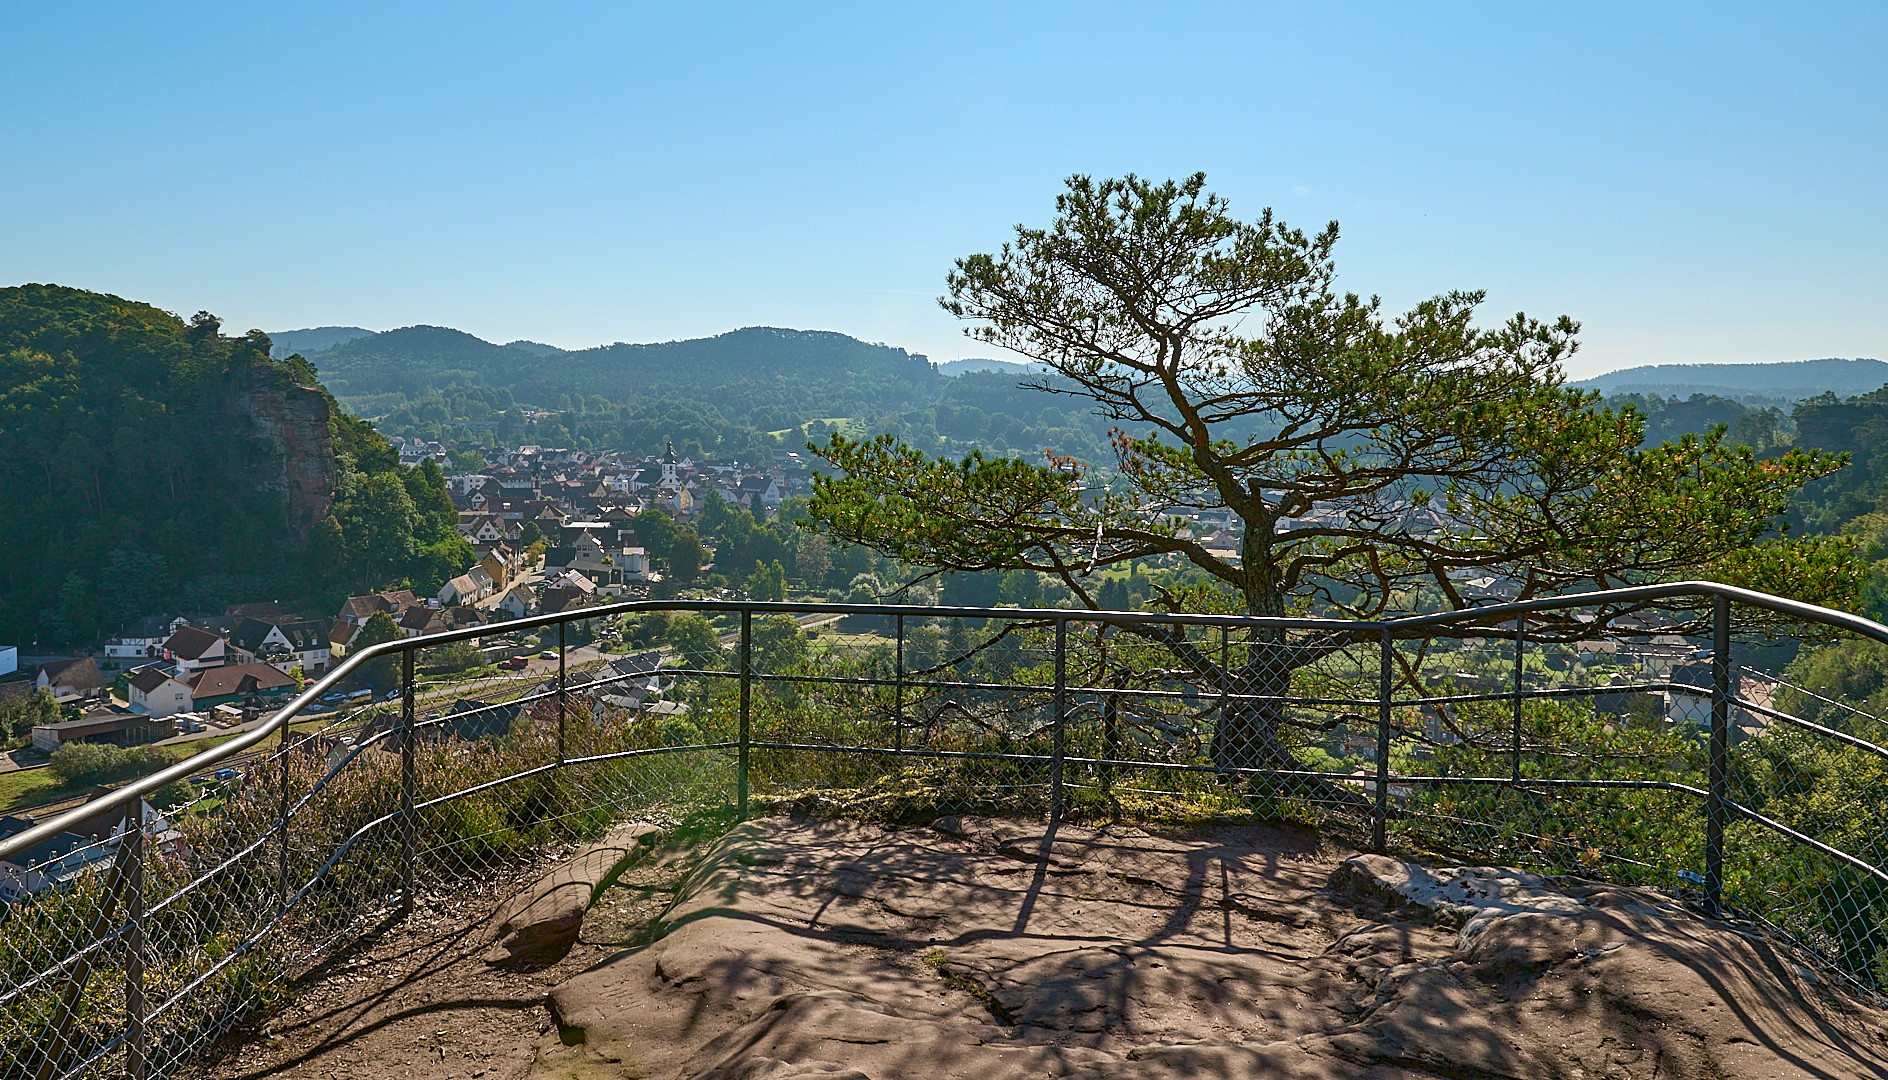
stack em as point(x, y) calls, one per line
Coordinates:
point(130, 950)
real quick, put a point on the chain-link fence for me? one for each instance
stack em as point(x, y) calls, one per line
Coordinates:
point(1720, 750)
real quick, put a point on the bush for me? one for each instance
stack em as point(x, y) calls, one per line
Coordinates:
point(460, 656)
point(177, 793)
point(102, 763)
point(80, 762)
point(694, 637)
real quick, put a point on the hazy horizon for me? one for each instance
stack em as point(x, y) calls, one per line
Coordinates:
point(988, 354)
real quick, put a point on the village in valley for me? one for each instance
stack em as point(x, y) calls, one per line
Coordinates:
point(554, 531)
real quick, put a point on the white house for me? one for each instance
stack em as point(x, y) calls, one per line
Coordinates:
point(635, 563)
point(90, 846)
point(518, 601)
point(69, 679)
point(254, 639)
point(157, 693)
point(483, 529)
point(310, 646)
point(193, 650)
point(481, 580)
point(760, 492)
point(50, 864)
point(143, 639)
point(460, 590)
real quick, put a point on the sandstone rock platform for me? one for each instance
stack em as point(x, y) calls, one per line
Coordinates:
point(987, 949)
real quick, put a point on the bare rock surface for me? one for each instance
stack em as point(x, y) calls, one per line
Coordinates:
point(537, 927)
point(990, 949)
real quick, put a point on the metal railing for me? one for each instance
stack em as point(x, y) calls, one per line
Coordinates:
point(135, 935)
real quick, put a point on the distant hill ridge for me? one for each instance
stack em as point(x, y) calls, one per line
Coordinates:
point(312, 340)
point(1787, 380)
point(768, 376)
point(954, 368)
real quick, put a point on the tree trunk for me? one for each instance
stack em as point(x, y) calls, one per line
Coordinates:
point(1248, 736)
point(1252, 721)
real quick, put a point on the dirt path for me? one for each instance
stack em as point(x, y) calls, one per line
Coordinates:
point(418, 1000)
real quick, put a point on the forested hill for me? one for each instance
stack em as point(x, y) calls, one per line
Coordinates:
point(736, 395)
point(762, 377)
point(129, 446)
point(151, 464)
point(1777, 384)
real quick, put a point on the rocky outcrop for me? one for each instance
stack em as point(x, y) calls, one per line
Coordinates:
point(291, 424)
point(990, 949)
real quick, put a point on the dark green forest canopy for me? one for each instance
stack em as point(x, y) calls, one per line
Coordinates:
point(125, 455)
point(140, 480)
point(1857, 426)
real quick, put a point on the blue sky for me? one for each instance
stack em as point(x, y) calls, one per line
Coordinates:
point(1694, 183)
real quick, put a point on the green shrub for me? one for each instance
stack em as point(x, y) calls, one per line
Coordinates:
point(101, 763)
point(460, 656)
point(83, 762)
point(180, 792)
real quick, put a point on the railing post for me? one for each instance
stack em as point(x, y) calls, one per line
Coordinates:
point(1110, 731)
point(898, 683)
point(136, 1054)
point(560, 693)
point(53, 1045)
point(1225, 677)
point(1061, 713)
point(747, 670)
point(1719, 781)
point(1520, 645)
point(409, 827)
point(281, 825)
point(1380, 812)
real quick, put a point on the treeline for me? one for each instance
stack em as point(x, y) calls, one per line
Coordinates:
point(1851, 501)
point(990, 411)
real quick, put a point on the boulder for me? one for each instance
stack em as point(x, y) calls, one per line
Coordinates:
point(537, 927)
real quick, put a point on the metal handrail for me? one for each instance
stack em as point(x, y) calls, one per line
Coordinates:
point(1395, 627)
point(1699, 605)
point(138, 789)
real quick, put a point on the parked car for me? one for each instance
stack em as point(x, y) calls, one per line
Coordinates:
point(338, 695)
point(515, 663)
point(226, 774)
point(548, 654)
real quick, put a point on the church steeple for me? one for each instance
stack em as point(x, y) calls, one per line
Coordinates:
point(671, 469)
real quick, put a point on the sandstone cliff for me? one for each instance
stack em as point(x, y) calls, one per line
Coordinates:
point(291, 424)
